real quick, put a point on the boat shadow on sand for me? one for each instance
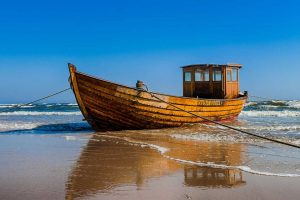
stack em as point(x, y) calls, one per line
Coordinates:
point(108, 165)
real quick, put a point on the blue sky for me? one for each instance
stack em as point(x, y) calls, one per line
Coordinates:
point(148, 40)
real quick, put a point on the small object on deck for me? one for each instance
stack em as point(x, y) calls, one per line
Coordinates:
point(140, 85)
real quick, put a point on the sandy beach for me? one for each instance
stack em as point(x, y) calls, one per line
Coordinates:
point(140, 165)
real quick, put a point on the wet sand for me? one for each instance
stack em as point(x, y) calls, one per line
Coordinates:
point(140, 165)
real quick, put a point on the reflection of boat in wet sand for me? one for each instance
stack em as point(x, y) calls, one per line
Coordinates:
point(212, 177)
point(109, 163)
point(210, 91)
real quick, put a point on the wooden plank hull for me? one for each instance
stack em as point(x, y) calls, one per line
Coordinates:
point(110, 106)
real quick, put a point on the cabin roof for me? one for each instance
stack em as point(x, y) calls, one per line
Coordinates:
point(215, 65)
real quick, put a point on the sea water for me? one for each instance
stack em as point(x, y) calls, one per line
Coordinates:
point(45, 118)
point(276, 119)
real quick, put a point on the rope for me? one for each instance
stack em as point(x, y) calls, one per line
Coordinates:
point(221, 124)
point(38, 100)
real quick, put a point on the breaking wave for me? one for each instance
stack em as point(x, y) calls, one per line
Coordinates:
point(293, 104)
point(37, 118)
point(16, 105)
point(21, 127)
point(8, 126)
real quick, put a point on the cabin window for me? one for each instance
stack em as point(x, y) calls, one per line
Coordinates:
point(206, 76)
point(188, 76)
point(217, 75)
point(202, 75)
point(197, 76)
point(234, 74)
point(229, 77)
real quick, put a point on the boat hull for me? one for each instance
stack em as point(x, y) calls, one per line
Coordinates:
point(109, 106)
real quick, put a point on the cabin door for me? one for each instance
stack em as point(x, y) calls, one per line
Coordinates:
point(188, 86)
point(217, 83)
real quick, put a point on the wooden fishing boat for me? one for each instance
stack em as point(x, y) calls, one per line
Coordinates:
point(210, 91)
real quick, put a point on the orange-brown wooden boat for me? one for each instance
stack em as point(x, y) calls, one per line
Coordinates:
point(109, 106)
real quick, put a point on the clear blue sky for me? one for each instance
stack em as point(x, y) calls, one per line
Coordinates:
point(128, 40)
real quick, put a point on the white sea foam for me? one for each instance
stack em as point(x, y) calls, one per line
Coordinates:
point(59, 104)
point(16, 105)
point(294, 104)
point(242, 168)
point(285, 113)
point(7, 126)
point(18, 126)
point(29, 106)
point(7, 105)
point(269, 106)
point(251, 103)
point(275, 104)
point(162, 150)
point(270, 127)
point(32, 113)
point(72, 104)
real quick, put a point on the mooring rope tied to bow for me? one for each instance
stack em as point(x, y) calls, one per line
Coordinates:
point(36, 101)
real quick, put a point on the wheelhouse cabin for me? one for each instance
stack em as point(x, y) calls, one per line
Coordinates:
point(211, 81)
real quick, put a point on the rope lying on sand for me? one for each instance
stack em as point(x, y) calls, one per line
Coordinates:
point(38, 100)
point(221, 124)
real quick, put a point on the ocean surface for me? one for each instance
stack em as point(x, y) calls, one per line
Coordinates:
point(275, 119)
point(41, 119)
